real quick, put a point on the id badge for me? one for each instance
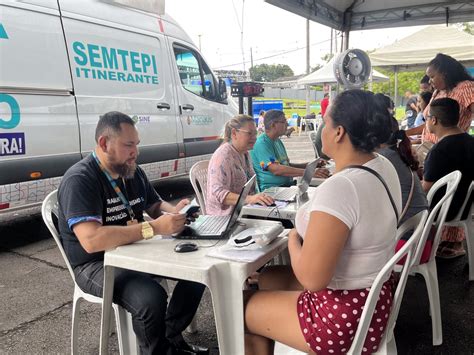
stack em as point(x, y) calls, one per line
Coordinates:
point(132, 222)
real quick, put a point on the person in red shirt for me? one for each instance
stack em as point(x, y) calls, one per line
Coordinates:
point(324, 104)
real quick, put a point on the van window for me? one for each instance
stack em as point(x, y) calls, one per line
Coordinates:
point(194, 73)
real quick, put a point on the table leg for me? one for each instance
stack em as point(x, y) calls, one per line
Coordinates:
point(108, 291)
point(227, 300)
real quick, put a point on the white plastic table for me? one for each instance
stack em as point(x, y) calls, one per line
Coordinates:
point(288, 212)
point(224, 278)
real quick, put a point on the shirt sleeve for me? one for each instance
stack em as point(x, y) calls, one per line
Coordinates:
point(263, 155)
point(219, 175)
point(434, 168)
point(329, 200)
point(78, 200)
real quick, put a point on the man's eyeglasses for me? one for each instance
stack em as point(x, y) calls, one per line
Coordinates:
point(250, 133)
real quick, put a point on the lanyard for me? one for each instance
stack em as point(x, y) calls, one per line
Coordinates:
point(115, 187)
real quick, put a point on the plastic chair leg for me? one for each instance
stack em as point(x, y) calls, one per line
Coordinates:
point(469, 232)
point(126, 336)
point(430, 275)
point(76, 306)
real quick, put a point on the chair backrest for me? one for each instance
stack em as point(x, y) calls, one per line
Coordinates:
point(312, 138)
point(438, 214)
point(415, 223)
point(198, 177)
point(48, 209)
point(468, 211)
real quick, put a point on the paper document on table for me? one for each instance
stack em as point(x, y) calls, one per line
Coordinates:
point(278, 204)
point(246, 254)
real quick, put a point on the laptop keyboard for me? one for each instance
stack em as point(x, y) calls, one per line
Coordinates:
point(211, 224)
point(282, 194)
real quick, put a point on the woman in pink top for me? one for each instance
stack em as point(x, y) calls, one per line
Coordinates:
point(231, 167)
point(450, 79)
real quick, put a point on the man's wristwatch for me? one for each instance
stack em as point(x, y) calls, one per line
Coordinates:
point(147, 230)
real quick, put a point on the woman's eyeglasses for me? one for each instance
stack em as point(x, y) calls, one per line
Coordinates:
point(250, 133)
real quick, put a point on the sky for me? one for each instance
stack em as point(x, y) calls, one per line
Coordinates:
point(276, 36)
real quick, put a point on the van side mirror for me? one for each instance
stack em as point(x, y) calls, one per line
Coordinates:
point(222, 90)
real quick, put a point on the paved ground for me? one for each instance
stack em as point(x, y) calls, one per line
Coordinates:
point(36, 293)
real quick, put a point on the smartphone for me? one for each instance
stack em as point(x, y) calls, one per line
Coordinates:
point(190, 210)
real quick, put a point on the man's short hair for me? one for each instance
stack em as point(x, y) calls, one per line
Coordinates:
point(110, 122)
point(326, 94)
point(446, 111)
point(271, 116)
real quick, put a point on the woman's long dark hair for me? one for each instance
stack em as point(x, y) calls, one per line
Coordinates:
point(398, 140)
point(452, 71)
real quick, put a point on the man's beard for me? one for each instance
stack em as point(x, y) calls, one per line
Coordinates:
point(125, 170)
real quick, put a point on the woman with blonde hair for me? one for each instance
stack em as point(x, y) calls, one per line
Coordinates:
point(231, 167)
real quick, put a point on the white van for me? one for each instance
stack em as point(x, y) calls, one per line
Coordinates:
point(63, 63)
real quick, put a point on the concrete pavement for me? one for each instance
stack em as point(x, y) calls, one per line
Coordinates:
point(36, 293)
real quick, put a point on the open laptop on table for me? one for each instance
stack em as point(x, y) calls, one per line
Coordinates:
point(217, 227)
point(289, 194)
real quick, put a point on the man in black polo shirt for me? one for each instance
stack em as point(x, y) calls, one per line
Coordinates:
point(454, 151)
point(101, 203)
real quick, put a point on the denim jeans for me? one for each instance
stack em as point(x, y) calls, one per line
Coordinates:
point(155, 324)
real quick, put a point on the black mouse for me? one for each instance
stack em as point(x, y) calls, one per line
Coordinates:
point(185, 247)
point(272, 205)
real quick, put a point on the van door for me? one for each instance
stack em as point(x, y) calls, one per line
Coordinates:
point(201, 114)
point(116, 67)
point(39, 135)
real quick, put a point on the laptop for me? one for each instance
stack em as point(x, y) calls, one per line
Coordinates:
point(289, 194)
point(217, 227)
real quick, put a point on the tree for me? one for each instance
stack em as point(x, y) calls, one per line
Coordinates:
point(270, 72)
point(407, 81)
point(468, 27)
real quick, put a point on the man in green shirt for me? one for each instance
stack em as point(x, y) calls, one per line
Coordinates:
point(269, 157)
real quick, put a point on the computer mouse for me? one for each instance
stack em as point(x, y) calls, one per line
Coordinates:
point(272, 205)
point(185, 247)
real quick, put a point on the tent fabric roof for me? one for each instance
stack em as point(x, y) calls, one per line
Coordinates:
point(419, 48)
point(369, 14)
point(325, 75)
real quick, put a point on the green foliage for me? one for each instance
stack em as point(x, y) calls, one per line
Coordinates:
point(406, 81)
point(468, 27)
point(270, 72)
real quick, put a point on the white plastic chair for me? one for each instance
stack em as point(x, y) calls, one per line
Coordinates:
point(387, 344)
point(312, 138)
point(126, 337)
point(436, 219)
point(198, 177)
point(467, 225)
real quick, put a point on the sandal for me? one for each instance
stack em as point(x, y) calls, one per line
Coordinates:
point(447, 252)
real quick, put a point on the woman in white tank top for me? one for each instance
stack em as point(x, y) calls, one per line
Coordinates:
point(349, 233)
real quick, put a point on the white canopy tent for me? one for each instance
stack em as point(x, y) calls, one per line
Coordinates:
point(416, 51)
point(353, 15)
point(325, 75)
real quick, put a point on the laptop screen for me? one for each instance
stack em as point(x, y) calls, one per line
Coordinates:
point(241, 202)
point(308, 175)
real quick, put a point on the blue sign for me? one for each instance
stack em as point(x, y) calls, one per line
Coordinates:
point(12, 144)
point(14, 120)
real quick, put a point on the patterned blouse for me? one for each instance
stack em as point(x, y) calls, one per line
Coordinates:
point(463, 93)
point(228, 171)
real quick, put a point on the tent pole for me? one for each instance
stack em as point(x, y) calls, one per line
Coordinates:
point(308, 88)
point(395, 94)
